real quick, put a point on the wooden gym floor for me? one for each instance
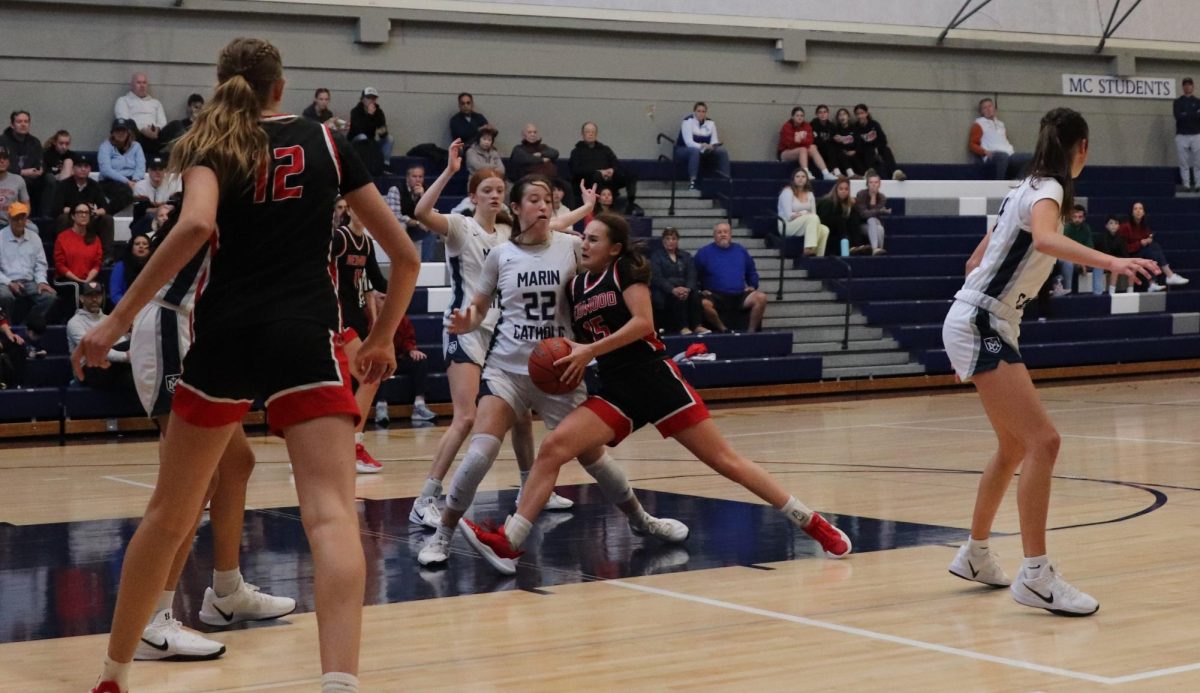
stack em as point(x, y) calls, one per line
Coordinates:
point(743, 605)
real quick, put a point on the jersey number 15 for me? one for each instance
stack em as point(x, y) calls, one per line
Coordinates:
point(286, 162)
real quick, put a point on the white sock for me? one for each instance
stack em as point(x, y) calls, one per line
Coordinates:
point(116, 671)
point(165, 600)
point(431, 489)
point(418, 400)
point(1034, 564)
point(799, 513)
point(226, 582)
point(977, 547)
point(337, 682)
point(516, 528)
point(640, 518)
point(444, 532)
point(524, 477)
point(358, 438)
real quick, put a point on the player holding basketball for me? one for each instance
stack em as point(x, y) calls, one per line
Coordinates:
point(980, 334)
point(357, 275)
point(612, 315)
point(530, 274)
point(158, 342)
point(469, 240)
point(266, 325)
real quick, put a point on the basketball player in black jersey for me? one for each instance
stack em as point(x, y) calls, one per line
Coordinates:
point(613, 319)
point(261, 187)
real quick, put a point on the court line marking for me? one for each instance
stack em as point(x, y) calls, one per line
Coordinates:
point(873, 635)
point(119, 480)
point(1157, 673)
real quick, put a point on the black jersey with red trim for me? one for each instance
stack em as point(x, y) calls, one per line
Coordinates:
point(272, 259)
point(598, 309)
point(352, 253)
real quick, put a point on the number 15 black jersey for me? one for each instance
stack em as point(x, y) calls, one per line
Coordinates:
point(272, 257)
point(598, 309)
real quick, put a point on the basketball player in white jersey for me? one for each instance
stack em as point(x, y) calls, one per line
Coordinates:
point(468, 242)
point(531, 274)
point(159, 340)
point(980, 333)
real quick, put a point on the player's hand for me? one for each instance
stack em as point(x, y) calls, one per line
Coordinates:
point(460, 320)
point(1135, 268)
point(454, 164)
point(576, 362)
point(93, 349)
point(375, 360)
point(417, 355)
point(587, 195)
point(16, 339)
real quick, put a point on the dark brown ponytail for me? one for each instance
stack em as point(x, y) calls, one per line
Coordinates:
point(1061, 130)
point(618, 232)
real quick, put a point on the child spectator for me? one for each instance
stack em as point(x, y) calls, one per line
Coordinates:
point(1139, 242)
point(796, 143)
point(797, 210)
point(1111, 242)
point(837, 211)
point(871, 205)
point(1079, 231)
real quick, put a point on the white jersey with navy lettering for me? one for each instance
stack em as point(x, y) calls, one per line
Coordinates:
point(1012, 272)
point(531, 283)
point(467, 246)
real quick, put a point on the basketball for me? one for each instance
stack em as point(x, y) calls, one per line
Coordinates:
point(542, 370)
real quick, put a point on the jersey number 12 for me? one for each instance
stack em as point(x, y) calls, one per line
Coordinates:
point(287, 162)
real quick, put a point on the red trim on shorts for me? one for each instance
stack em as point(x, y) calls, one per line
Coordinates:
point(309, 402)
point(686, 417)
point(613, 417)
point(198, 409)
point(349, 335)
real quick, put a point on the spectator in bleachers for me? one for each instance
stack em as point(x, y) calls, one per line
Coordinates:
point(118, 374)
point(871, 205)
point(402, 199)
point(797, 210)
point(81, 189)
point(12, 187)
point(483, 153)
point(1111, 242)
point(699, 143)
point(177, 128)
point(23, 267)
point(1187, 135)
point(1139, 242)
point(674, 289)
point(532, 156)
point(368, 123)
point(989, 143)
point(1079, 231)
point(156, 189)
point(558, 189)
point(318, 111)
point(414, 363)
point(145, 111)
point(122, 165)
point(12, 355)
point(25, 156)
point(608, 203)
point(77, 251)
point(728, 277)
point(466, 124)
point(823, 129)
point(845, 143)
point(58, 161)
point(872, 144)
point(837, 211)
point(129, 267)
point(796, 143)
point(594, 163)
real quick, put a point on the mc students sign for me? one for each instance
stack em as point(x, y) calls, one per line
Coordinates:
point(1119, 87)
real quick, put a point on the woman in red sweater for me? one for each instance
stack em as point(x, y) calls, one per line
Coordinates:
point(1139, 242)
point(77, 251)
point(796, 143)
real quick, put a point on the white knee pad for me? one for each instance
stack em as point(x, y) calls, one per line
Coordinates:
point(611, 479)
point(481, 453)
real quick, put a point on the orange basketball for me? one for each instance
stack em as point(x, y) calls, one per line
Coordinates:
point(542, 370)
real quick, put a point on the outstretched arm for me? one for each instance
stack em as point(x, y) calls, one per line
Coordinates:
point(425, 212)
point(566, 221)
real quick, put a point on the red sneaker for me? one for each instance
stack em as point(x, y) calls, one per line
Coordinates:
point(489, 541)
point(833, 540)
point(364, 463)
point(107, 687)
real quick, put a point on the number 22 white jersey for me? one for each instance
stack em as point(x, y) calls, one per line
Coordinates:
point(467, 247)
point(531, 284)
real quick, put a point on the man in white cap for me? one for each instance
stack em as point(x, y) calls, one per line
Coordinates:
point(367, 122)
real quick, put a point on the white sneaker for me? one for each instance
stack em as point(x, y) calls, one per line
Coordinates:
point(1177, 280)
point(1112, 290)
point(1045, 588)
point(1155, 287)
point(826, 175)
point(557, 502)
point(166, 638)
point(664, 528)
point(1129, 289)
point(420, 412)
point(837, 173)
point(426, 513)
point(435, 550)
point(984, 569)
point(246, 604)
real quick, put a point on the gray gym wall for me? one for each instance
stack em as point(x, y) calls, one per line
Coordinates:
point(68, 61)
